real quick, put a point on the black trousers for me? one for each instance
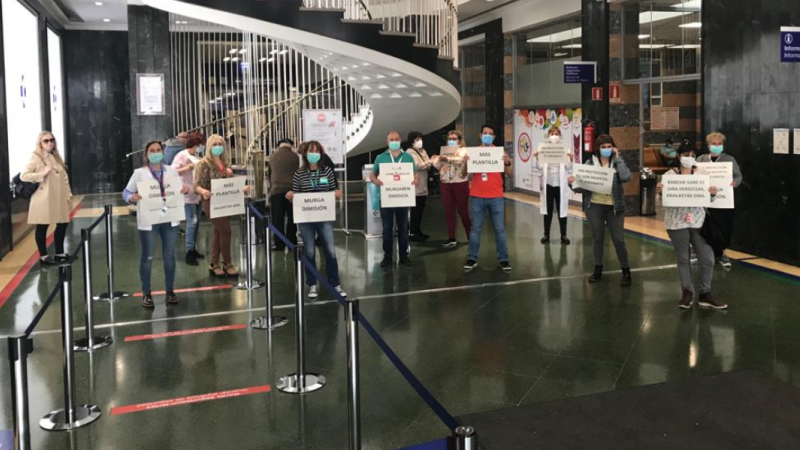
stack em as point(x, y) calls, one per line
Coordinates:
point(416, 215)
point(554, 207)
point(280, 212)
point(41, 238)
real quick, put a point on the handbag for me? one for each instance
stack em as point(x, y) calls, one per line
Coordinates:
point(24, 189)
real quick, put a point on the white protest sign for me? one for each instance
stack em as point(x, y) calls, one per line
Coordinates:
point(448, 151)
point(685, 191)
point(314, 207)
point(485, 160)
point(155, 209)
point(397, 190)
point(593, 178)
point(720, 175)
point(552, 154)
point(227, 197)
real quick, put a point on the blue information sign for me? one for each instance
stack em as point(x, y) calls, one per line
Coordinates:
point(580, 72)
point(790, 44)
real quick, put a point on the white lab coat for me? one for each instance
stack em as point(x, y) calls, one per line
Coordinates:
point(564, 172)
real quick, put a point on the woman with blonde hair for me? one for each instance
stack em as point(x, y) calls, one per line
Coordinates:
point(454, 185)
point(216, 165)
point(52, 201)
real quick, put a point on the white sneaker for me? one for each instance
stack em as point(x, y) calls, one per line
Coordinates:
point(340, 291)
point(313, 292)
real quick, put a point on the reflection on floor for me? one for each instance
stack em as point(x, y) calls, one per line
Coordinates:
point(479, 341)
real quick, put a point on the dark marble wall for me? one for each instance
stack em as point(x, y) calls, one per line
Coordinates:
point(98, 110)
point(494, 45)
point(5, 194)
point(747, 93)
point(595, 47)
point(149, 52)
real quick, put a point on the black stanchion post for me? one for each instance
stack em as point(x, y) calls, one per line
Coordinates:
point(268, 322)
point(353, 378)
point(71, 416)
point(465, 438)
point(249, 282)
point(90, 342)
point(111, 295)
point(18, 349)
point(300, 382)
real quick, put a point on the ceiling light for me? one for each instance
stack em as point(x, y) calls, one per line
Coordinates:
point(652, 46)
point(571, 46)
point(235, 59)
point(270, 59)
point(560, 54)
point(692, 25)
point(283, 52)
point(244, 50)
point(686, 46)
point(562, 36)
point(694, 4)
point(657, 16)
point(106, 20)
point(262, 59)
point(232, 51)
point(98, 3)
point(226, 59)
point(644, 36)
point(273, 52)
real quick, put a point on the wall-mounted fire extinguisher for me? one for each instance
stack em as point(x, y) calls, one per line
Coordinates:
point(588, 138)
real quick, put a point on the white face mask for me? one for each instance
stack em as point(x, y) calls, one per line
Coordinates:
point(554, 139)
point(688, 161)
point(418, 144)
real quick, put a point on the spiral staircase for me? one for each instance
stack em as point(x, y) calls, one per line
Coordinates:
point(399, 55)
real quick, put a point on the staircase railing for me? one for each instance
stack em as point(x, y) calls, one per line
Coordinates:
point(433, 23)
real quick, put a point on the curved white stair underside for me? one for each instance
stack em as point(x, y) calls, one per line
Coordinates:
point(401, 95)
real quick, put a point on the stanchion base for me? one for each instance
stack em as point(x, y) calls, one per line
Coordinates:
point(82, 345)
point(262, 324)
point(57, 420)
point(242, 285)
point(105, 297)
point(289, 384)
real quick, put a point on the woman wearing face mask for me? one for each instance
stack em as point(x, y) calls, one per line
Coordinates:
point(184, 163)
point(683, 226)
point(148, 234)
point(216, 165)
point(314, 177)
point(52, 202)
point(669, 154)
point(455, 186)
point(423, 163)
point(554, 190)
point(716, 147)
point(607, 210)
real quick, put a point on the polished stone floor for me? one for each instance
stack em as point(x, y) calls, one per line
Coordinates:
point(479, 341)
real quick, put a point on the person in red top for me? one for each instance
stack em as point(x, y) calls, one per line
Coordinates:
point(486, 194)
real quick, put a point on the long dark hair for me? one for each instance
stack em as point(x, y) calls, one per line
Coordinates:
point(305, 147)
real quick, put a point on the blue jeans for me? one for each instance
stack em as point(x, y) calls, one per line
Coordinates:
point(497, 211)
point(324, 230)
point(169, 235)
point(388, 217)
point(192, 224)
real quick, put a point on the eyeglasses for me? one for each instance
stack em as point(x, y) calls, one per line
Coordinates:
point(48, 141)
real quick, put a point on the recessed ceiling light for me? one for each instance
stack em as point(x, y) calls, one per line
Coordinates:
point(226, 59)
point(687, 46)
point(560, 54)
point(181, 22)
point(235, 59)
point(270, 59)
point(244, 50)
point(232, 51)
point(262, 59)
point(106, 20)
point(571, 46)
point(98, 3)
point(692, 25)
point(652, 46)
point(644, 36)
point(273, 52)
point(283, 52)
point(694, 4)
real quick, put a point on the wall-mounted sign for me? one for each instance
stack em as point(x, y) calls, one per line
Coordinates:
point(325, 127)
point(665, 118)
point(597, 94)
point(150, 97)
point(614, 93)
point(580, 72)
point(790, 44)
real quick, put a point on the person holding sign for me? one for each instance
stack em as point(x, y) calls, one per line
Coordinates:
point(154, 170)
point(423, 163)
point(683, 226)
point(394, 156)
point(454, 183)
point(607, 210)
point(724, 217)
point(554, 189)
point(216, 165)
point(184, 164)
point(486, 195)
point(313, 177)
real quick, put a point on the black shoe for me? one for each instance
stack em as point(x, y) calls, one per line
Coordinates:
point(197, 254)
point(470, 265)
point(506, 266)
point(597, 275)
point(387, 261)
point(61, 257)
point(565, 240)
point(687, 298)
point(450, 243)
point(47, 261)
point(147, 301)
point(424, 236)
point(709, 301)
point(172, 299)
point(416, 238)
point(545, 239)
point(626, 277)
point(191, 260)
point(405, 260)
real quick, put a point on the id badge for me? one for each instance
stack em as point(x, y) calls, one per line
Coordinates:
point(164, 208)
point(323, 180)
point(689, 218)
point(485, 176)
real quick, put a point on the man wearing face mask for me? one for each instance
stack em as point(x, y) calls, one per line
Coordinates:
point(716, 147)
point(283, 163)
point(391, 216)
point(486, 195)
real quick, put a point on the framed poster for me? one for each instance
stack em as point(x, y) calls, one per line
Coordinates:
point(150, 99)
point(325, 127)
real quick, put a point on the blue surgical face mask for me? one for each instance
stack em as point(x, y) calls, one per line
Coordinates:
point(716, 149)
point(394, 145)
point(313, 158)
point(155, 158)
point(606, 152)
point(452, 143)
point(217, 150)
point(487, 139)
point(201, 149)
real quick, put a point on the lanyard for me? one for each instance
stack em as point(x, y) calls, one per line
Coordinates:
point(221, 167)
point(399, 158)
point(314, 184)
point(160, 180)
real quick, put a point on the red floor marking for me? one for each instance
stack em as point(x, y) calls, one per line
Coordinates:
point(145, 337)
point(188, 400)
point(197, 289)
point(12, 285)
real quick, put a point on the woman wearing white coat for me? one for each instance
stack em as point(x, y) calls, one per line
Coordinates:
point(554, 190)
